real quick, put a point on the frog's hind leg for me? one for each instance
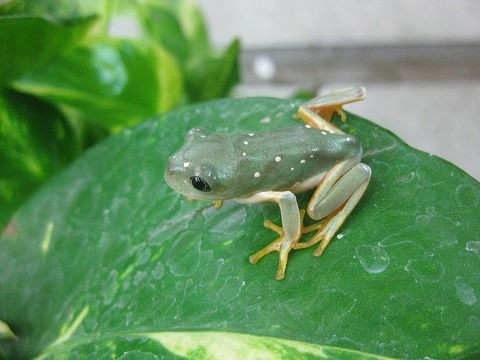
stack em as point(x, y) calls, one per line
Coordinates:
point(333, 200)
point(289, 233)
point(318, 112)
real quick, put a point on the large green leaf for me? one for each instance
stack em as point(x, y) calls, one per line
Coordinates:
point(107, 260)
point(35, 141)
point(112, 82)
point(28, 43)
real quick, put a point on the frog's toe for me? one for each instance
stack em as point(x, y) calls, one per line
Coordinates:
point(305, 244)
point(283, 254)
point(316, 238)
point(273, 246)
point(342, 113)
point(282, 263)
point(325, 240)
point(270, 225)
point(280, 275)
point(319, 251)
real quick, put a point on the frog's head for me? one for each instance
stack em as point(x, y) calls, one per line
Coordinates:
point(192, 170)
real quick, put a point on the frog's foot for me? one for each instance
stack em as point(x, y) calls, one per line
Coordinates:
point(319, 111)
point(315, 239)
point(328, 112)
point(282, 244)
point(325, 113)
point(326, 229)
point(217, 204)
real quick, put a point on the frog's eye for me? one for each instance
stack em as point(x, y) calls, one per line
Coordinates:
point(200, 184)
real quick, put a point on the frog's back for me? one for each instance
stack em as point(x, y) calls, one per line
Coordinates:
point(278, 159)
point(304, 140)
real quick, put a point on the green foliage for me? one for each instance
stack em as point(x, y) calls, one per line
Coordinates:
point(107, 261)
point(108, 91)
point(36, 141)
point(74, 61)
point(29, 43)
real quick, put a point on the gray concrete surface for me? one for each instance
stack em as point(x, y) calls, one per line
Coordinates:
point(283, 23)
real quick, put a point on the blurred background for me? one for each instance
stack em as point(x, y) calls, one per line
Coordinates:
point(420, 61)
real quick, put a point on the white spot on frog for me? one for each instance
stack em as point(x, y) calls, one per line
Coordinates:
point(372, 258)
point(185, 164)
point(245, 142)
point(265, 120)
point(311, 156)
point(339, 236)
point(291, 169)
point(425, 269)
point(473, 246)
point(465, 292)
point(257, 174)
point(250, 134)
point(324, 132)
point(308, 126)
point(244, 153)
point(302, 161)
point(278, 158)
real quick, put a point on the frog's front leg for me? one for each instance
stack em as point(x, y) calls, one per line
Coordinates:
point(288, 234)
point(333, 200)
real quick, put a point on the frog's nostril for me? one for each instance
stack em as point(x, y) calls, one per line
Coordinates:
point(171, 167)
point(171, 163)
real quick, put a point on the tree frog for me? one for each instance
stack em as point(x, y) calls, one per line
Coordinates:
point(274, 165)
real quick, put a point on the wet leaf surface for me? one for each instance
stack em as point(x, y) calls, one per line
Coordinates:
point(105, 255)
